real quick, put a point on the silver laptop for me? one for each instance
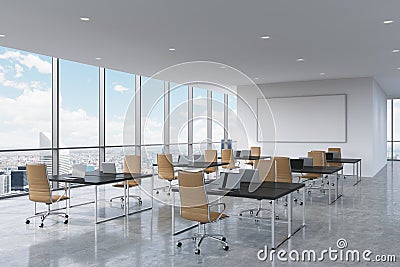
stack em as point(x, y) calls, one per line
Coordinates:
point(245, 153)
point(249, 176)
point(108, 167)
point(183, 159)
point(335, 155)
point(307, 161)
point(229, 181)
point(198, 158)
point(78, 171)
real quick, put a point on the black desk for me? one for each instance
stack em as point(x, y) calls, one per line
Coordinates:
point(195, 164)
point(329, 170)
point(267, 190)
point(250, 157)
point(97, 178)
point(356, 166)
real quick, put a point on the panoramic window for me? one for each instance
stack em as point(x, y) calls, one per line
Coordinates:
point(79, 104)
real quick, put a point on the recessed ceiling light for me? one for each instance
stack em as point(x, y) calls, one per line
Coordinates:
point(2, 35)
point(222, 67)
point(322, 73)
point(265, 37)
point(388, 21)
point(256, 78)
point(98, 58)
point(85, 18)
point(172, 49)
point(396, 51)
point(300, 59)
point(398, 68)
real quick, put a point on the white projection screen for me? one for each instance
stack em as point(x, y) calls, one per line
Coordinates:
point(303, 119)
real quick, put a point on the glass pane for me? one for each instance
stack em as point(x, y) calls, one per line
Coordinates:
point(396, 119)
point(389, 150)
point(389, 119)
point(199, 115)
point(152, 97)
point(178, 114)
point(25, 99)
point(79, 104)
point(13, 177)
point(120, 108)
point(217, 116)
point(70, 157)
point(149, 156)
point(116, 155)
point(177, 150)
point(396, 151)
point(233, 127)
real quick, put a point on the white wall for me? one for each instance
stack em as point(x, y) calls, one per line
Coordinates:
point(366, 105)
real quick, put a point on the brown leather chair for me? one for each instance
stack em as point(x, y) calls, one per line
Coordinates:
point(40, 192)
point(132, 164)
point(254, 151)
point(165, 170)
point(319, 159)
point(339, 152)
point(227, 156)
point(266, 171)
point(195, 207)
point(284, 173)
point(210, 155)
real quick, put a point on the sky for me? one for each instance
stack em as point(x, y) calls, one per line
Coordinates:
point(25, 105)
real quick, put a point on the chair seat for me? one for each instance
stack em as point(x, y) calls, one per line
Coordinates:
point(170, 179)
point(209, 170)
point(55, 198)
point(311, 176)
point(249, 163)
point(131, 183)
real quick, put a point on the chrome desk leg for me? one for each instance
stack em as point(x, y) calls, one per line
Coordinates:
point(304, 206)
point(126, 198)
point(273, 225)
point(173, 214)
point(329, 189)
point(289, 215)
point(95, 204)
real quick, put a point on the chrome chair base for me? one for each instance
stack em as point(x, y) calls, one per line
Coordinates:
point(43, 215)
point(200, 236)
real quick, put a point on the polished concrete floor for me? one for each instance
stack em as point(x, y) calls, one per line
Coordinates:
point(367, 216)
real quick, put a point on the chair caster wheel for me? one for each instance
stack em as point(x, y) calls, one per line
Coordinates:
point(223, 239)
point(301, 203)
point(240, 214)
point(251, 212)
point(179, 244)
point(66, 216)
point(41, 225)
point(285, 204)
point(277, 217)
point(309, 192)
point(226, 248)
point(295, 200)
point(333, 184)
point(140, 202)
point(27, 221)
point(66, 222)
point(197, 252)
point(157, 192)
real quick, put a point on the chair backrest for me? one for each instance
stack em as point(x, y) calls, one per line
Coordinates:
point(227, 156)
point(283, 170)
point(39, 189)
point(194, 202)
point(132, 164)
point(165, 168)
point(210, 155)
point(338, 151)
point(318, 157)
point(266, 170)
point(255, 151)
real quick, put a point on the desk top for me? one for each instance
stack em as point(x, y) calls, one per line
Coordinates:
point(266, 190)
point(318, 169)
point(344, 160)
point(98, 178)
point(250, 157)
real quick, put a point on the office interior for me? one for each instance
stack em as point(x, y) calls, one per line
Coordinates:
point(92, 82)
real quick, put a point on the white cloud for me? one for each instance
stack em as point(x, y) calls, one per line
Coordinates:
point(18, 71)
point(28, 60)
point(120, 88)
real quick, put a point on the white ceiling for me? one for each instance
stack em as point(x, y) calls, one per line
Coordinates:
point(340, 38)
